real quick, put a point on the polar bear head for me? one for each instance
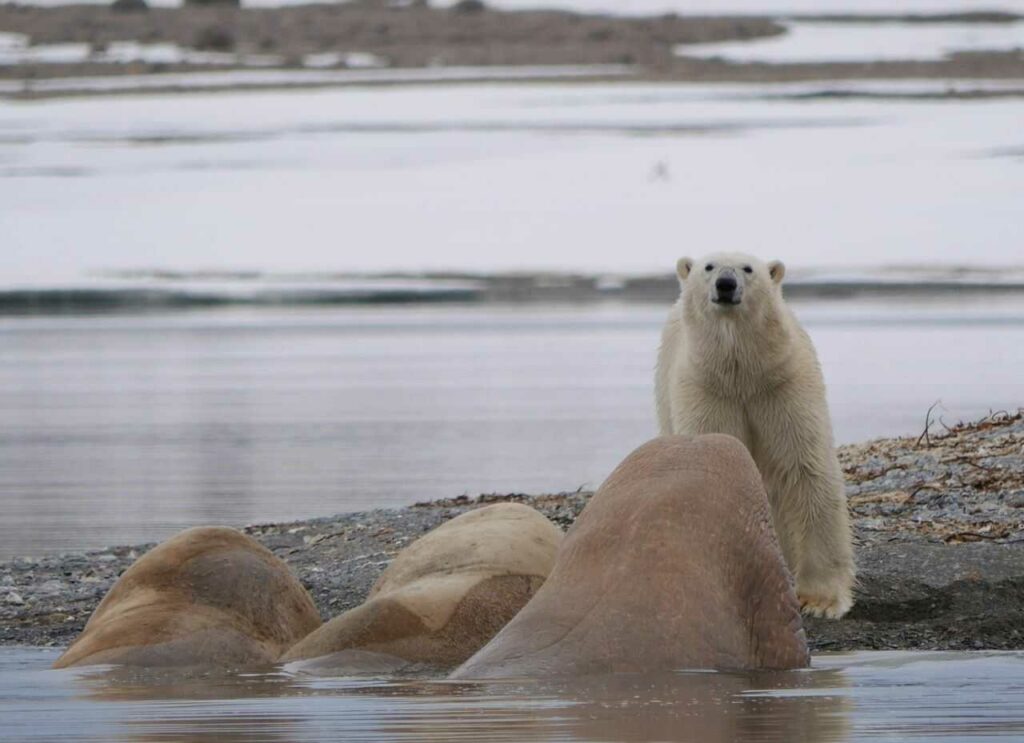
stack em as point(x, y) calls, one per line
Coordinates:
point(729, 282)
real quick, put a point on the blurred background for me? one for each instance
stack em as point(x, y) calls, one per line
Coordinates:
point(276, 261)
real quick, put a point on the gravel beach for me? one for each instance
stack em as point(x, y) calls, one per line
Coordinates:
point(939, 523)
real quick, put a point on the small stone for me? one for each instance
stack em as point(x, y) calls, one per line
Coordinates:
point(283, 542)
point(51, 587)
point(129, 6)
point(15, 599)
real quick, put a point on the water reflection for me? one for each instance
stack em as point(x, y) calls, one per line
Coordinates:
point(791, 706)
point(123, 430)
point(187, 705)
point(870, 696)
point(687, 707)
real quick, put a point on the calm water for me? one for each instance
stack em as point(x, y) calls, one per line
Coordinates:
point(938, 697)
point(123, 429)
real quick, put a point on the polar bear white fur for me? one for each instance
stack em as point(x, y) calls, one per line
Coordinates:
point(734, 360)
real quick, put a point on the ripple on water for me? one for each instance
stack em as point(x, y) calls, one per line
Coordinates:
point(846, 697)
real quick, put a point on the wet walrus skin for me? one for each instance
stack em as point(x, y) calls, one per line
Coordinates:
point(672, 565)
point(442, 598)
point(209, 596)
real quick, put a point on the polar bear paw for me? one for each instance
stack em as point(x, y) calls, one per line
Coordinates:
point(829, 606)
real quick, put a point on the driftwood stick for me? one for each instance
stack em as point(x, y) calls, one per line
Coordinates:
point(927, 425)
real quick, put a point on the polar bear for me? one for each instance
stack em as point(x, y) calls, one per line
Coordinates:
point(734, 360)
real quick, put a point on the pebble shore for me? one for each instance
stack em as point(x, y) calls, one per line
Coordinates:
point(938, 519)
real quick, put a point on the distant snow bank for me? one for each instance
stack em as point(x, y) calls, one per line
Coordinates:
point(607, 177)
point(814, 42)
point(239, 79)
point(692, 7)
point(16, 49)
point(750, 7)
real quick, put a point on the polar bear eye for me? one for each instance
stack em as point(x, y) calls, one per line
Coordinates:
point(748, 269)
point(709, 267)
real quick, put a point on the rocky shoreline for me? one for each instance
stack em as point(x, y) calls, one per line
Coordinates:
point(939, 523)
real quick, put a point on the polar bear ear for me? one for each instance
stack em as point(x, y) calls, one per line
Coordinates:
point(683, 267)
point(777, 270)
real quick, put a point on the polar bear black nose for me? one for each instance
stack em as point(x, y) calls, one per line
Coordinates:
point(725, 285)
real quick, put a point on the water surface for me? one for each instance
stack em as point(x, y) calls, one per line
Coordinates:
point(878, 696)
point(124, 429)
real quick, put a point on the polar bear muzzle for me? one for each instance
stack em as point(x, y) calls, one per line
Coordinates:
point(727, 289)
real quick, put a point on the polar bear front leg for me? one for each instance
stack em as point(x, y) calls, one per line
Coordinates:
point(809, 510)
point(814, 513)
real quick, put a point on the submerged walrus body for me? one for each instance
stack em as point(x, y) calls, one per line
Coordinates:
point(442, 598)
point(208, 597)
point(673, 565)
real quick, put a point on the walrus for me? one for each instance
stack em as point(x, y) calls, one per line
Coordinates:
point(672, 565)
point(209, 596)
point(441, 599)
